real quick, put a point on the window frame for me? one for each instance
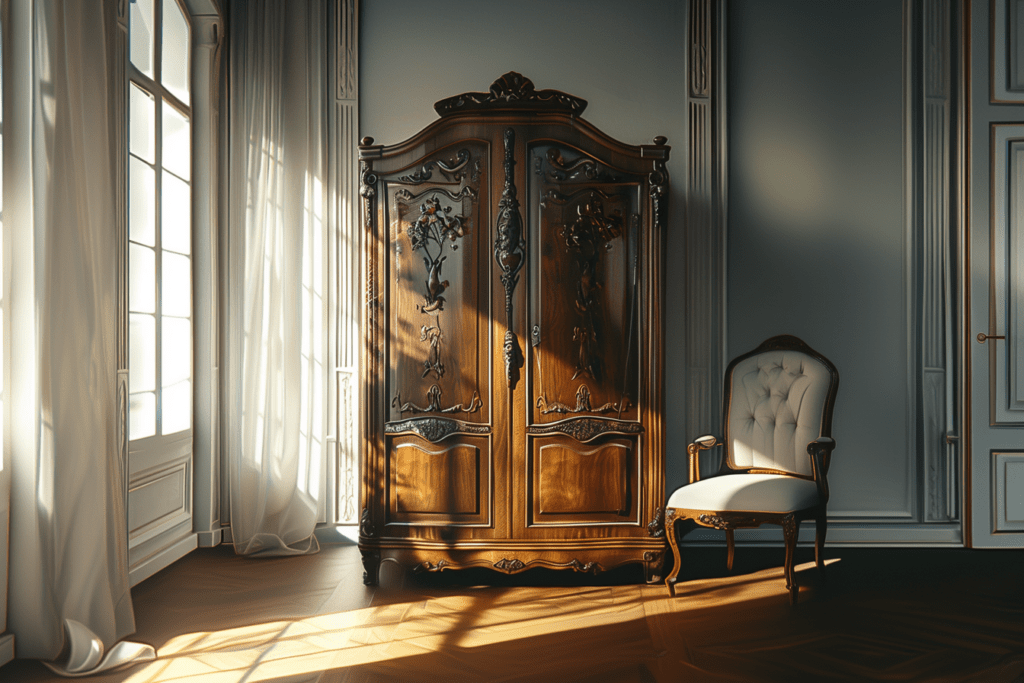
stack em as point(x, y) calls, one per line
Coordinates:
point(177, 443)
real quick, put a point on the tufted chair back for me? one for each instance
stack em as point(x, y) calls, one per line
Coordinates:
point(779, 399)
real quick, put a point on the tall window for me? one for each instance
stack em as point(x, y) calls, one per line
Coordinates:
point(160, 221)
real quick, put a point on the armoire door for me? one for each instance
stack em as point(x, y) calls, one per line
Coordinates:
point(582, 442)
point(442, 465)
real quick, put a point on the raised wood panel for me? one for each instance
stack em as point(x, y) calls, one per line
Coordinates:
point(1007, 51)
point(572, 483)
point(438, 258)
point(158, 501)
point(584, 286)
point(1012, 287)
point(446, 483)
point(1007, 355)
point(1008, 482)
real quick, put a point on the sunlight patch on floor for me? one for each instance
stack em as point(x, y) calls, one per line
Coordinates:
point(477, 619)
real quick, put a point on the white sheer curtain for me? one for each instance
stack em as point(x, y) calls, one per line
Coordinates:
point(69, 601)
point(275, 381)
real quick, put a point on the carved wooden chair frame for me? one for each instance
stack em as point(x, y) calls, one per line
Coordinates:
point(819, 451)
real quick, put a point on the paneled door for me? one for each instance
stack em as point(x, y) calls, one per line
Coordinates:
point(995, 488)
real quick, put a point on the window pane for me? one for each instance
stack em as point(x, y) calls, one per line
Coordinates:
point(177, 142)
point(175, 51)
point(176, 212)
point(141, 37)
point(176, 288)
point(141, 202)
point(141, 415)
point(176, 359)
point(141, 124)
point(141, 279)
point(141, 352)
point(177, 408)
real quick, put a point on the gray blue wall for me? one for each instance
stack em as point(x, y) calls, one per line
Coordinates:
point(816, 222)
point(816, 217)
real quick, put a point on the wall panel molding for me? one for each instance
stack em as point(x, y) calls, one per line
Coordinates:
point(860, 534)
point(344, 284)
point(931, 287)
point(207, 41)
point(705, 221)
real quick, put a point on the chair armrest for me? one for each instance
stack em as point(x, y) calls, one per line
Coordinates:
point(701, 443)
point(820, 451)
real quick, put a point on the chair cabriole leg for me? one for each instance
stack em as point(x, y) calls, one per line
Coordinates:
point(670, 531)
point(790, 527)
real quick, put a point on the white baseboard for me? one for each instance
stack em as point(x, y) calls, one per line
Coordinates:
point(209, 539)
point(6, 648)
point(157, 561)
point(347, 534)
point(849, 534)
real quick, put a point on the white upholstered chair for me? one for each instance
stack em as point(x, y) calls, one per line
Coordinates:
point(778, 428)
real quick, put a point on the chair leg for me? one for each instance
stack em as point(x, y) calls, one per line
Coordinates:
point(790, 527)
point(730, 541)
point(821, 528)
point(670, 531)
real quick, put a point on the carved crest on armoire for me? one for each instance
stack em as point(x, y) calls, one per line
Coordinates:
point(513, 402)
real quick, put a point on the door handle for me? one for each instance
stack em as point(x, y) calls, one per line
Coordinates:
point(982, 337)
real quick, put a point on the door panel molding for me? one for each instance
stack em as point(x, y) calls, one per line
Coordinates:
point(1006, 357)
point(1007, 482)
point(1007, 60)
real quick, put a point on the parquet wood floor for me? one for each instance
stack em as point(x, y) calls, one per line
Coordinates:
point(882, 615)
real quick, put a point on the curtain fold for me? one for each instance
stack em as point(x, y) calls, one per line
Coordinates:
point(69, 601)
point(275, 381)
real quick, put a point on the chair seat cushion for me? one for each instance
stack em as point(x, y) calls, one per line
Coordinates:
point(746, 492)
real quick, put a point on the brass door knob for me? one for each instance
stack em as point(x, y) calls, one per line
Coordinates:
point(982, 337)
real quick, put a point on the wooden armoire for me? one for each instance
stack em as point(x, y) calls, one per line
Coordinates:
point(513, 403)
